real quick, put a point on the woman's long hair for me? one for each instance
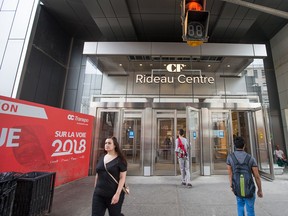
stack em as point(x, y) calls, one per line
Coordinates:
point(117, 149)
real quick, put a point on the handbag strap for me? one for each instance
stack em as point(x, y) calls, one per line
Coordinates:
point(114, 178)
point(110, 174)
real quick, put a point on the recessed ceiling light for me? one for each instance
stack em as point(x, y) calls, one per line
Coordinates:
point(228, 65)
point(209, 65)
point(120, 65)
point(140, 65)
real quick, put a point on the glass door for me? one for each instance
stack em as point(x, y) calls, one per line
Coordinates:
point(107, 125)
point(263, 148)
point(220, 139)
point(193, 135)
point(163, 143)
point(131, 140)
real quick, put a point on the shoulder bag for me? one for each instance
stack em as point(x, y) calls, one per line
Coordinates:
point(181, 150)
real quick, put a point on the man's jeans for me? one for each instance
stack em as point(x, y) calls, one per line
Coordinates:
point(185, 170)
point(249, 203)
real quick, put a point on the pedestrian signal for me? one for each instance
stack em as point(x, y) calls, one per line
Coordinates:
point(195, 20)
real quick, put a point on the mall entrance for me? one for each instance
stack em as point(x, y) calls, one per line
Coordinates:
point(147, 134)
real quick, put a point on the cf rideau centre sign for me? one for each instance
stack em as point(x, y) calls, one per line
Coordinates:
point(181, 78)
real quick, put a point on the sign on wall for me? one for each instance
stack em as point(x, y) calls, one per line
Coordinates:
point(171, 79)
point(35, 137)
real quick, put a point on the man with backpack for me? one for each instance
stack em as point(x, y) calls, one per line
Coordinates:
point(241, 169)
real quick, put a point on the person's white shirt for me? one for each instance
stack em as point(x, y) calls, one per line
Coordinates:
point(279, 153)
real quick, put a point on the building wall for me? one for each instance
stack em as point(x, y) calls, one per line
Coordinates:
point(16, 21)
point(120, 84)
point(39, 61)
point(279, 48)
point(46, 69)
point(127, 85)
point(43, 77)
point(75, 77)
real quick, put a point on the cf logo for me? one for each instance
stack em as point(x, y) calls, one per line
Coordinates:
point(175, 67)
point(70, 117)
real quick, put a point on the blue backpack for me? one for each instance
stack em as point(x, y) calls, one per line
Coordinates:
point(242, 179)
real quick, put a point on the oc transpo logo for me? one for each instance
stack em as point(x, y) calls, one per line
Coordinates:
point(71, 117)
point(174, 68)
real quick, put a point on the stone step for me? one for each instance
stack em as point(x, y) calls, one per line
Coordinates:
point(277, 169)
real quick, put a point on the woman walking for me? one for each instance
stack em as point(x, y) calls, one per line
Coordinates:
point(108, 194)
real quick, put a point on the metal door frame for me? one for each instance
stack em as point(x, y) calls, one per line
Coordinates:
point(190, 138)
point(269, 176)
point(95, 147)
point(169, 114)
point(132, 114)
point(149, 122)
point(229, 139)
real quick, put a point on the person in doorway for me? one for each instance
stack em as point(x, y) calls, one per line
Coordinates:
point(280, 156)
point(182, 152)
point(166, 147)
point(108, 194)
point(240, 156)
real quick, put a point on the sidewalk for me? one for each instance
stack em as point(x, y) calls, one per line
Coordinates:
point(163, 195)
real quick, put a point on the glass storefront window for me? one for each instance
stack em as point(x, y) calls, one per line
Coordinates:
point(169, 79)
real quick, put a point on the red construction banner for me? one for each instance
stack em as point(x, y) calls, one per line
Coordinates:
point(35, 137)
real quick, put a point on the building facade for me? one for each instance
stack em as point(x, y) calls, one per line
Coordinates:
point(144, 92)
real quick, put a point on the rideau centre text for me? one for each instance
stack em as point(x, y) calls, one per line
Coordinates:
point(143, 79)
point(174, 69)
